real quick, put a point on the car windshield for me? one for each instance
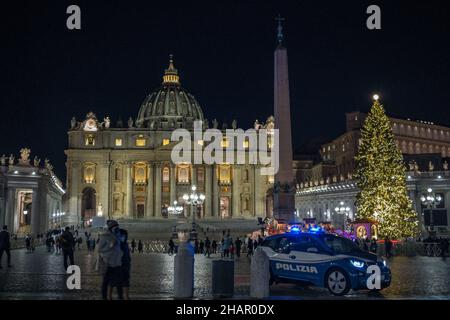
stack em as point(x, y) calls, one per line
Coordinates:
point(340, 245)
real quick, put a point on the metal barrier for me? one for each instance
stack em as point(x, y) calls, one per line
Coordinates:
point(157, 246)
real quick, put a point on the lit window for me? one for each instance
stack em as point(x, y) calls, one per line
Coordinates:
point(245, 144)
point(166, 142)
point(118, 142)
point(224, 143)
point(166, 174)
point(90, 140)
point(89, 173)
point(140, 173)
point(224, 174)
point(183, 173)
point(141, 141)
point(200, 142)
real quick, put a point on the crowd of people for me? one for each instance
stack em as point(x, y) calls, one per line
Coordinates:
point(227, 247)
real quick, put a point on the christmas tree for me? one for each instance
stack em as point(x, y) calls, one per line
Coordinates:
point(380, 174)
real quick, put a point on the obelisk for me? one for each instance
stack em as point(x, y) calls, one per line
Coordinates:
point(284, 191)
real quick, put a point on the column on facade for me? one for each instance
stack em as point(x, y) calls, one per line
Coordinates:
point(215, 193)
point(105, 195)
point(74, 214)
point(157, 212)
point(35, 212)
point(9, 212)
point(129, 197)
point(236, 176)
point(150, 190)
point(194, 176)
point(259, 192)
point(208, 191)
point(173, 184)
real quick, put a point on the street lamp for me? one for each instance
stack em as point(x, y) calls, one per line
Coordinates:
point(342, 209)
point(195, 199)
point(175, 209)
point(430, 200)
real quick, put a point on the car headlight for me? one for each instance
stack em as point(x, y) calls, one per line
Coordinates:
point(357, 263)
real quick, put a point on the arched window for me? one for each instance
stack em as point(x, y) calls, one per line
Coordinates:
point(166, 174)
point(418, 148)
point(140, 173)
point(224, 174)
point(118, 174)
point(89, 172)
point(183, 173)
point(246, 175)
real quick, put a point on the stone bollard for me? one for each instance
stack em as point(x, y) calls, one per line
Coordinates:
point(260, 275)
point(223, 278)
point(184, 271)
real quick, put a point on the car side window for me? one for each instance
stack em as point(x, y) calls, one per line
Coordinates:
point(284, 245)
point(304, 244)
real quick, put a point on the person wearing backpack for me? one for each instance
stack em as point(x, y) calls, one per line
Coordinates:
point(67, 245)
point(109, 261)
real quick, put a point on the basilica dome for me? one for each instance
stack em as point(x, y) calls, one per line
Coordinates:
point(170, 106)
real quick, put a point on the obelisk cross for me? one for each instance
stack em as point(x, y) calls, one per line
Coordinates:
point(280, 29)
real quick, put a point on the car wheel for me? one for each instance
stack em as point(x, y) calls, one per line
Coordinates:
point(337, 282)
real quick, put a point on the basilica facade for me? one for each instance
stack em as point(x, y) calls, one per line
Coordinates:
point(125, 171)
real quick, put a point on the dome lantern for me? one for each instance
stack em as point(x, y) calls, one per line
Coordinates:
point(171, 74)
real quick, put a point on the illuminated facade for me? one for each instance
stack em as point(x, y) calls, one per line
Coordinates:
point(324, 186)
point(126, 172)
point(30, 195)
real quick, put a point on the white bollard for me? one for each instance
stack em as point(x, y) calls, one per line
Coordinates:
point(184, 271)
point(260, 275)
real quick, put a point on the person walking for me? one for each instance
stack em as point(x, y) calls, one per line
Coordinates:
point(196, 244)
point(232, 250)
point(140, 247)
point(214, 246)
point(124, 289)
point(388, 247)
point(28, 242)
point(109, 261)
point(5, 246)
point(79, 242)
point(249, 247)
point(207, 247)
point(201, 246)
point(133, 245)
point(238, 245)
point(171, 247)
point(67, 245)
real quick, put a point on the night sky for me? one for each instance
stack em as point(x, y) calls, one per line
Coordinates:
point(224, 53)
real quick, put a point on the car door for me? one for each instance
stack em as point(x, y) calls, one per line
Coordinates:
point(280, 262)
point(310, 258)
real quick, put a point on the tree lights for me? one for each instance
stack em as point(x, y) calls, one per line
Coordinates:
point(380, 174)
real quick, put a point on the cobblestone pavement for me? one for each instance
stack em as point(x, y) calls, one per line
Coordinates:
point(40, 275)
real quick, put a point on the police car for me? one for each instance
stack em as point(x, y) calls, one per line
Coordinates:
point(323, 260)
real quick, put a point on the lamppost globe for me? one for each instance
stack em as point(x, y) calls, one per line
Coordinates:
point(430, 201)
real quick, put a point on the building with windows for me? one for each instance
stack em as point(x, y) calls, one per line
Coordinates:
point(328, 184)
point(126, 171)
point(30, 195)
